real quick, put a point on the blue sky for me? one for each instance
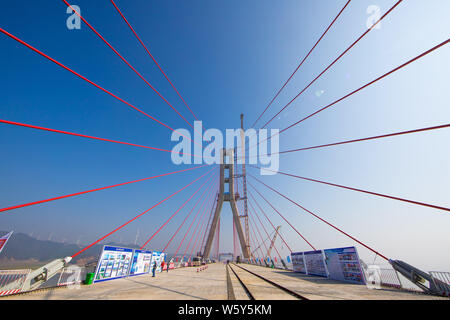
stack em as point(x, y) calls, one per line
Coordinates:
point(228, 57)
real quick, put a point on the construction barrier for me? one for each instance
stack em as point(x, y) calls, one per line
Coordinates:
point(202, 268)
point(390, 279)
point(171, 266)
point(7, 277)
point(71, 275)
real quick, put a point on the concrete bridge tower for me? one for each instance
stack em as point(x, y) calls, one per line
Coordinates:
point(226, 193)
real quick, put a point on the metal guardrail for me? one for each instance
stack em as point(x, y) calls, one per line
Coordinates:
point(390, 278)
point(9, 276)
point(442, 281)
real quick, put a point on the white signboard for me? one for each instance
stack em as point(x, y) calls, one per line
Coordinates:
point(343, 264)
point(315, 263)
point(141, 262)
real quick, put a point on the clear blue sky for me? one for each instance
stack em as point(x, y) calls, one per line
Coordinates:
point(228, 57)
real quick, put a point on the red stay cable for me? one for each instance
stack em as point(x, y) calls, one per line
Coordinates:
point(321, 219)
point(279, 213)
point(87, 80)
point(443, 126)
point(359, 190)
point(234, 240)
point(198, 247)
point(189, 228)
point(336, 60)
point(265, 230)
point(267, 234)
point(92, 190)
point(175, 213)
point(262, 241)
point(90, 137)
point(301, 63)
point(213, 202)
point(138, 216)
point(195, 231)
point(124, 60)
point(201, 223)
point(369, 138)
point(261, 210)
point(357, 90)
point(151, 56)
point(256, 244)
point(188, 215)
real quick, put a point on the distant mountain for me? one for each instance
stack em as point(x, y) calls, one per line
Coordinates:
point(22, 247)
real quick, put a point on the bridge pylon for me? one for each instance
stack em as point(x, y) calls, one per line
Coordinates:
point(226, 193)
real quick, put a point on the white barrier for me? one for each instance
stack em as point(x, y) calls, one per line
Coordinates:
point(71, 275)
point(442, 281)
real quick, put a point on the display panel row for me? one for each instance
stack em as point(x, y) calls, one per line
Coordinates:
point(338, 264)
point(119, 262)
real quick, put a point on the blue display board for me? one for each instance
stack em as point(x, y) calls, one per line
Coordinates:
point(343, 264)
point(141, 262)
point(114, 263)
point(315, 263)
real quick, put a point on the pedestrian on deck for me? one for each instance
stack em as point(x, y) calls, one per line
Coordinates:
point(168, 264)
point(154, 269)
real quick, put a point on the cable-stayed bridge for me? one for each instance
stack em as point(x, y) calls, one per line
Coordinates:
point(257, 257)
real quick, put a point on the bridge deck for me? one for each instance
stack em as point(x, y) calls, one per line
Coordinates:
point(211, 284)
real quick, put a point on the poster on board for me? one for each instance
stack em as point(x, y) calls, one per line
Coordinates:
point(157, 257)
point(114, 263)
point(343, 264)
point(315, 263)
point(141, 262)
point(298, 262)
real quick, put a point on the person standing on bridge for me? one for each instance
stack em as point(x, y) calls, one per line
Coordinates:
point(154, 269)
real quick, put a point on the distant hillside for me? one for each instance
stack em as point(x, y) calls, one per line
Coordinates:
point(22, 247)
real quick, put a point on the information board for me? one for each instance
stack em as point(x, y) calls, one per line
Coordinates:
point(298, 262)
point(343, 264)
point(157, 257)
point(315, 263)
point(141, 262)
point(114, 263)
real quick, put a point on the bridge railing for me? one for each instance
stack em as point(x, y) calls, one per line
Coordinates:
point(442, 281)
point(7, 277)
point(389, 278)
point(72, 275)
